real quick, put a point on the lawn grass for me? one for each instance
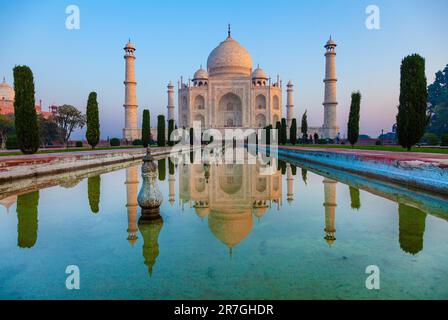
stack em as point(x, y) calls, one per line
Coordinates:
point(375, 148)
point(49, 151)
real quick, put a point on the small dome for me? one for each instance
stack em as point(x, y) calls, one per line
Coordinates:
point(229, 58)
point(330, 43)
point(129, 45)
point(259, 74)
point(201, 74)
point(6, 91)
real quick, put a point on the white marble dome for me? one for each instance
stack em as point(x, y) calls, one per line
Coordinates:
point(201, 74)
point(259, 74)
point(229, 58)
point(6, 91)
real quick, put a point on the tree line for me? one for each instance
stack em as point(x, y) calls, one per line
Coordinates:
point(27, 131)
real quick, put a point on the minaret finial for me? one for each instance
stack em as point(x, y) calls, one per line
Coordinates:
point(229, 32)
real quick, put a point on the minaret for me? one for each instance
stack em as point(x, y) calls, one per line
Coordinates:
point(330, 210)
point(289, 184)
point(330, 126)
point(289, 104)
point(170, 106)
point(132, 205)
point(131, 130)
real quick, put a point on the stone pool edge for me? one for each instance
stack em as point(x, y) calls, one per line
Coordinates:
point(22, 167)
point(426, 175)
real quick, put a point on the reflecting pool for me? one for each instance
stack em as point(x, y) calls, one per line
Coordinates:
point(225, 232)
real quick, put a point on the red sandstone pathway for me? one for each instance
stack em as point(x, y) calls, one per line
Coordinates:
point(384, 156)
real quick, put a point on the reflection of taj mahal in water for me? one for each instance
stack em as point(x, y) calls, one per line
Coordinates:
point(229, 196)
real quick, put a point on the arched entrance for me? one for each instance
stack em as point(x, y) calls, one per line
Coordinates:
point(230, 111)
point(260, 120)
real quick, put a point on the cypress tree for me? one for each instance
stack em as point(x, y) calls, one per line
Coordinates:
point(284, 136)
point(170, 131)
point(355, 200)
point(161, 141)
point(27, 221)
point(278, 128)
point(304, 175)
point(93, 121)
point(268, 134)
point(93, 192)
point(353, 119)
point(293, 132)
point(146, 128)
point(171, 169)
point(304, 128)
point(27, 127)
point(412, 118)
point(162, 169)
point(411, 224)
point(191, 136)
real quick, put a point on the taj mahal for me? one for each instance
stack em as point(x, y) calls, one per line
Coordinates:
point(229, 93)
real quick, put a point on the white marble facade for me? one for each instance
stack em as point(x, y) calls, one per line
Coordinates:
point(230, 94)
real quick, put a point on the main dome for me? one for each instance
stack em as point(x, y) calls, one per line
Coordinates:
point(229, 58)
point(6, 91)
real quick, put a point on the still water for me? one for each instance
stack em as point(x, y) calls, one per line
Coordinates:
point(226, 232)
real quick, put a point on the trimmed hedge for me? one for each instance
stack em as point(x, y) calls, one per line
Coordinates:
point(114, 142)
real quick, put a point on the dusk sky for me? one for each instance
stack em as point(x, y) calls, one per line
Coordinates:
point(174, 38)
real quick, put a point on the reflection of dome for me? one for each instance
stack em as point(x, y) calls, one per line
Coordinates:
point(229, 58)
point(230, 178)
point(202, 212)
point(260, 211)
point(230, 228)
point(201, 74)
point(6, 91)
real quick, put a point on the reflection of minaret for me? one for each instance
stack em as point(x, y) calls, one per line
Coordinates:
point(172, 194)
point(289, 184)
point(132, 205)
point(330, 210)
point(150, 230)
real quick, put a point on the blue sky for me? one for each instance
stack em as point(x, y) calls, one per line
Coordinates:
point(173, 38)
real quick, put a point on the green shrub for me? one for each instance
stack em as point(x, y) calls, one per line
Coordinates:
point(431, 138)
point(137, 142)
point(445, 140)
point(78, 144)
point(114, 142)
point(378, 142)
point(12, 142)
point(322, 141)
